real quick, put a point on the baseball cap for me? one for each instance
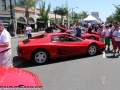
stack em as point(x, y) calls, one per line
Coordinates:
point(1, 22)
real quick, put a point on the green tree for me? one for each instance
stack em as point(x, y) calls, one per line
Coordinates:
point(27, 4)
point(63, 11)
point(110, 18)
point(117, 13)
point(77, 17)
point(84, 14)
point(44, 13)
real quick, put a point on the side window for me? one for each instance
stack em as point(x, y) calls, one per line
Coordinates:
point(55, 38)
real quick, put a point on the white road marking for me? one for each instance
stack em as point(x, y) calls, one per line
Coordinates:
point(104, 55)
point(103, 80)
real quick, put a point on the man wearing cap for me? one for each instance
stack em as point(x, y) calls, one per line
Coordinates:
point(5, 46)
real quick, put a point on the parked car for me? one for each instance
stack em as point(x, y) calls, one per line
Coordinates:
point(93, 35)
point(42, 48)
point(11, 77)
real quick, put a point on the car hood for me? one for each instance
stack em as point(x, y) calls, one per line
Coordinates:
point(14, 77)
point(61, 28)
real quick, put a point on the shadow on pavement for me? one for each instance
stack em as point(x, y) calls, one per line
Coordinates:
point(16, 58)
point(52, 61)
point(113, 56)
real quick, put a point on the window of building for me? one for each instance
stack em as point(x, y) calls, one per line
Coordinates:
point(3, 5)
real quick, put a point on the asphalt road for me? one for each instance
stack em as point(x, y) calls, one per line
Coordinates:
point(74, 73)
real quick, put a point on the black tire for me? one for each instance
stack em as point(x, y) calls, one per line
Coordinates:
point(92, 38)
point(40, 60)
point(92, 49)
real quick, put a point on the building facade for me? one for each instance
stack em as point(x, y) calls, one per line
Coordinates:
point(96, 15)
point(5, 14)
point(19, 17)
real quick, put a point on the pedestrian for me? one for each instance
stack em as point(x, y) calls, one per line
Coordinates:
point(71, 27)
point(112, 30)
point(101, 33)
point(116, 36)
point(107, 32)
point(89, 27)
point(29, 30)
point(5, 46)
point(78, 30)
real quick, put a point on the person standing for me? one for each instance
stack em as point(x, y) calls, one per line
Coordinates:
point(5, 46)
point(78, 30)
point(112, 30)
point(89, 27)
point(107, 37)
point(29, 30)
point(116, 36)
point(101, 33)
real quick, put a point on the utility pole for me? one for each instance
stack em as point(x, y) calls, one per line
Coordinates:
point(12, 19)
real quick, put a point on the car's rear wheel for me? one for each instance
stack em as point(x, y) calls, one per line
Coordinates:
point(40, 56)
point(92, 49)
point(92, 38)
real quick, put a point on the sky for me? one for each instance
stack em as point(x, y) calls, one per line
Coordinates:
point(104, 7)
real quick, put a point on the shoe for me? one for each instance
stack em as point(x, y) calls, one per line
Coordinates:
point(117, 56)
point(113, 55)
point(108, 50)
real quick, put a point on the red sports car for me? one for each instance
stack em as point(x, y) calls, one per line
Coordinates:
point(41, 48)
point(93, 35)
point(18, 78)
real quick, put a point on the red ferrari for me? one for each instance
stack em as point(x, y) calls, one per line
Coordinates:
point(18, 78)
point(93, 35)
point(41, 48)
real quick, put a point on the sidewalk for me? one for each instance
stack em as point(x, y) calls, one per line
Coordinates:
point(22, 35)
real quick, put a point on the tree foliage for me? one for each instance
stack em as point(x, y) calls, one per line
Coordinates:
point(84, 14)
point(43, 12)
point(115, 16)
point(63, 11)
point(27, 4)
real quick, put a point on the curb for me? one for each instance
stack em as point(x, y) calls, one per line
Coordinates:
point(21, 36)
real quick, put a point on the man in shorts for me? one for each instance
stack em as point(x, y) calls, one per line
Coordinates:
point(116, 35)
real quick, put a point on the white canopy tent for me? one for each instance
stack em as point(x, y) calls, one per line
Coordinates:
point(90, 19)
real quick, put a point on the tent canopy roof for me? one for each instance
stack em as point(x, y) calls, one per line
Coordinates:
point(90, 18)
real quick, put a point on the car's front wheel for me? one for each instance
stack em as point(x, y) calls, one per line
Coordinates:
point(40, 56)
point(92, 49)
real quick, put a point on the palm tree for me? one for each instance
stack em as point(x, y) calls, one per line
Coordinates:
point(63, 10)
point(27, 4)
point(84, 14)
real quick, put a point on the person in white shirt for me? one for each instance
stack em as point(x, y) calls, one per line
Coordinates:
point(107, 32)
point(89, 27)
point(116, 36)
point(5, 46)
point(29, 30)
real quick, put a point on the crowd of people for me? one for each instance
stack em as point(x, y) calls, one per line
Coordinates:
point(109, 33)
